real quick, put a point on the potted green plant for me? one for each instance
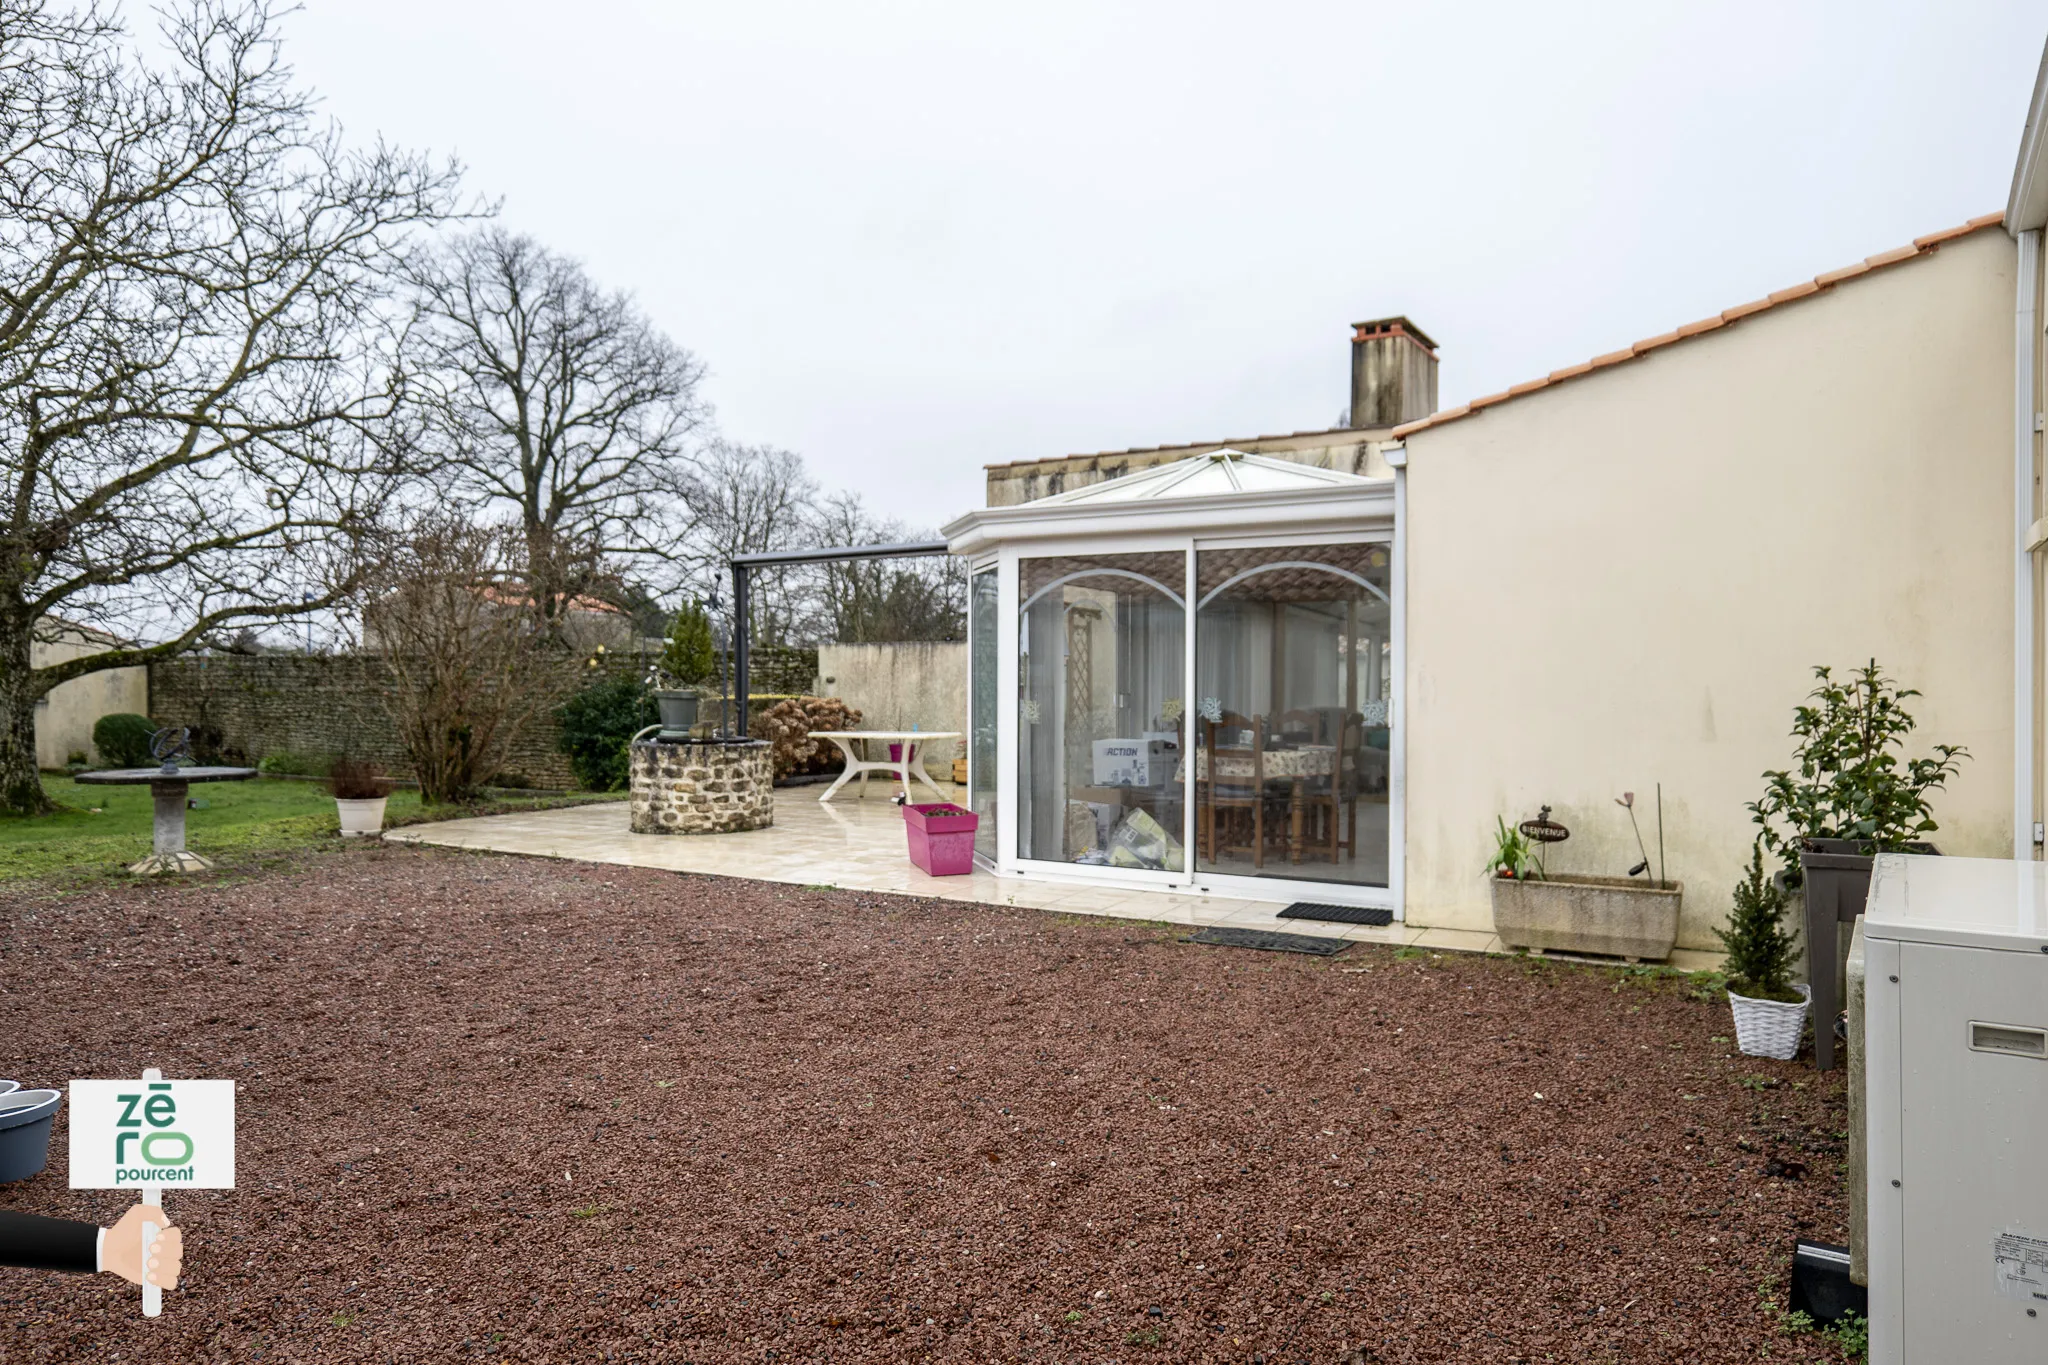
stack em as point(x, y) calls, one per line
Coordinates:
point(1850, 794)
point(687, 660)
point(359, 792)
point(1770, 1010)
point(1541, 911)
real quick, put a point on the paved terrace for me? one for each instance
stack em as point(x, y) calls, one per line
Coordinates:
point(859, 845)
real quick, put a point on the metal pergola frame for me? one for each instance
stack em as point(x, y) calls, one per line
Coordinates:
point(744, 565)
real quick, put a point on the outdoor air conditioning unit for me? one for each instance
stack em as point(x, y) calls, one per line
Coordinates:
point(1956, 1066)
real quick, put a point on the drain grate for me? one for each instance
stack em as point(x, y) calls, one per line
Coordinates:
point(1339, 914)
point(1266, 939)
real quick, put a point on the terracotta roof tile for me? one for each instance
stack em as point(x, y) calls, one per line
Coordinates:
point(1797, 291)
point(1921, 246)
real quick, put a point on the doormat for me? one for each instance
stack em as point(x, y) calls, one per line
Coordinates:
point(1270, 941)
point(1339, 914)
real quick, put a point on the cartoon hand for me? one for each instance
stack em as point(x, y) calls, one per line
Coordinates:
point(122, 1252)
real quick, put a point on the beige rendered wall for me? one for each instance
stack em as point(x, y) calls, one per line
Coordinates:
point(897, 686)
point(1626, 578)
point(65, 717)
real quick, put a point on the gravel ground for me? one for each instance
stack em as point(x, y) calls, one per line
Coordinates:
point(498, 1108)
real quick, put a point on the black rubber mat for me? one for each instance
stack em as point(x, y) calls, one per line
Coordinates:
point(1270, 941)
point(1339, 914)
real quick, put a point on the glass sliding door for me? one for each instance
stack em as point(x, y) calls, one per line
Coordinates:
point(1100, 713)
point(1294, 687)
point(981, 709)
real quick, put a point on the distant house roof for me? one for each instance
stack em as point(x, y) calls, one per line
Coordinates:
point(62, 625)
point(1922, 246)
point(519, 598)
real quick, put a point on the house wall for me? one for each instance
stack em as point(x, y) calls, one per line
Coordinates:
point(66, 714)
point(1627, 578)
point(897, 686)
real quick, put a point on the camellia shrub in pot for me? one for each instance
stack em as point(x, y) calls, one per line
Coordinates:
point(1770, 1011)
point(1850, 795)
point(359, 792)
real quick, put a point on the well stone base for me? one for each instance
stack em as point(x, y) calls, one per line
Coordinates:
point(714, 787)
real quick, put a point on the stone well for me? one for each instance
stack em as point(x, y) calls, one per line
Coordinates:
point(701, 786)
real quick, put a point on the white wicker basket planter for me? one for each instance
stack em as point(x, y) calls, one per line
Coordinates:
point(1770, 1028)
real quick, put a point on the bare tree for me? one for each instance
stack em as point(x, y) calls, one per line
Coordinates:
point(193, 340)
point(868, 601)
point(746, 499)
point(557, 406)
point(469, 672)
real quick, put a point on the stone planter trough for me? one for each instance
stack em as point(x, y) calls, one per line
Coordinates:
point(1612, 916)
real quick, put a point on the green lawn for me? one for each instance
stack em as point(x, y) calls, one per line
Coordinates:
point(103, 829)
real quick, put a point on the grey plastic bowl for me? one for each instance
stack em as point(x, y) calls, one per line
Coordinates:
point(25, 1120)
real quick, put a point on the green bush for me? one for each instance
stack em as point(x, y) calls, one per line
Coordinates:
point(597, 723)
point(1761, 952)
point(1851, 779)
point(123, 739)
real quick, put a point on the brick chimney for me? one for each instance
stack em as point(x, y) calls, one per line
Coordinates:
point(1393, 373)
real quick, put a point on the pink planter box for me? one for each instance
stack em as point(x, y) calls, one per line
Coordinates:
point(941, 838)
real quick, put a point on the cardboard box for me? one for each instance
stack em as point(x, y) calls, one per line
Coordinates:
point(1134, 762)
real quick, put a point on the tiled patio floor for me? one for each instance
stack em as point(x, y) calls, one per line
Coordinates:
point(855, 843)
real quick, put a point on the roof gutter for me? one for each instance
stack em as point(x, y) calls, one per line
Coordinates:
point(2026, 207)
point(2025, 683)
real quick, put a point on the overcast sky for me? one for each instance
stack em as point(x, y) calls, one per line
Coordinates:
point(913, 239)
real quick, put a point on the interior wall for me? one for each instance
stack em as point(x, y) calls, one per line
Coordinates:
point(1627, 578)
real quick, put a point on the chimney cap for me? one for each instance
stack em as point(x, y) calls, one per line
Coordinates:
point(1394, 326)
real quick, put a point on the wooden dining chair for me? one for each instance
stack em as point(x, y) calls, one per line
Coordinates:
point(1238, 796)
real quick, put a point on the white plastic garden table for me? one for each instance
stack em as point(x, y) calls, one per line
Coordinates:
point(908, 764)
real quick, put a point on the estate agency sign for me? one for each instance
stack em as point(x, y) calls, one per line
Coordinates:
point(152, 1133)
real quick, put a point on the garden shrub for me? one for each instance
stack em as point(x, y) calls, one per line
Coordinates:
point(596, 724)
point(1761, 951)
point(355, 779)
point(123, 739)
point(786, 726)
point(1850, 779)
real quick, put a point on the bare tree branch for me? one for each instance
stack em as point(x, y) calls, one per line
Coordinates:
point(199, 338)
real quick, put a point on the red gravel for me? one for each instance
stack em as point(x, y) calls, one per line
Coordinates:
point(497, 1108)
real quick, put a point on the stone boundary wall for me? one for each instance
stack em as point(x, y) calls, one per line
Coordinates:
point(325, 704)
point(791, 669)
point(318, 704)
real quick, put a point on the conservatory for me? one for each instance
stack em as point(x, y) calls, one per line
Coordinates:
point(1184, 679)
